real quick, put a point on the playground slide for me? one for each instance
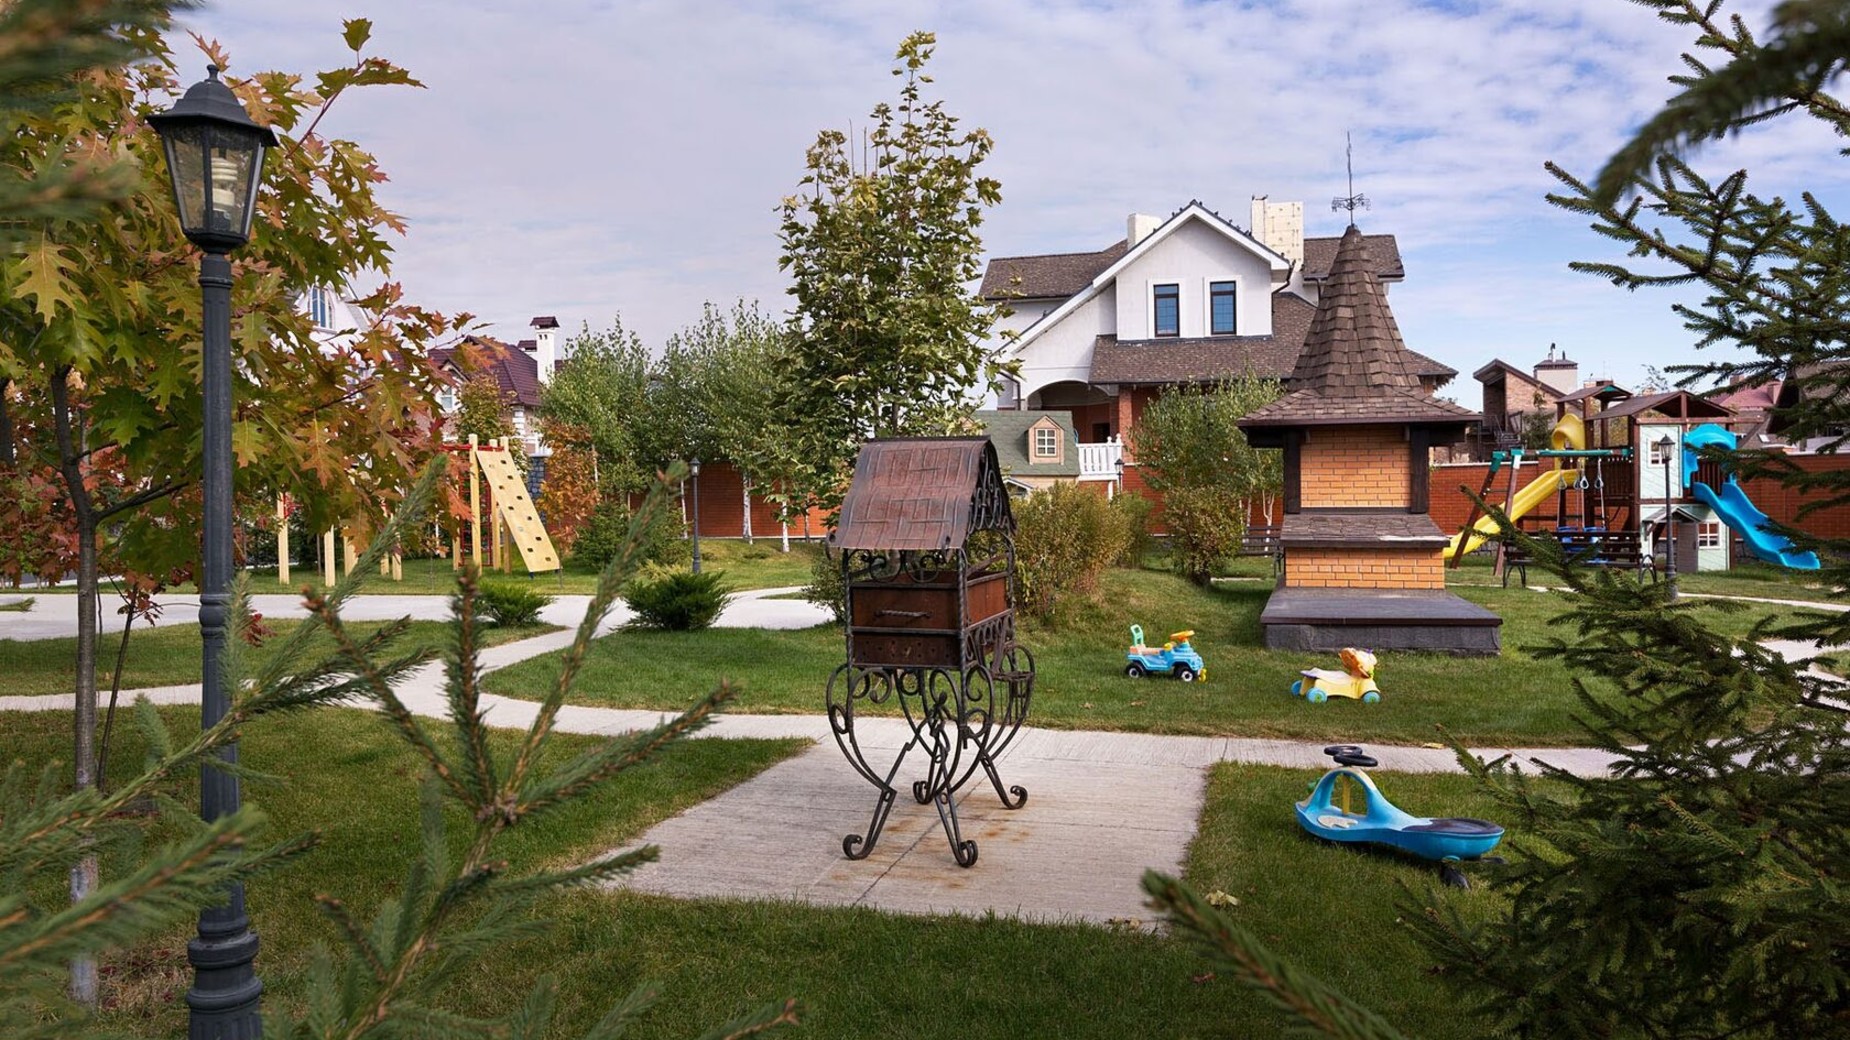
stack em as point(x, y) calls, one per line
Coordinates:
point(1734, 508)
point(1532, 494)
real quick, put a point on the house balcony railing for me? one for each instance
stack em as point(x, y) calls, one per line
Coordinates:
point(1100, 461)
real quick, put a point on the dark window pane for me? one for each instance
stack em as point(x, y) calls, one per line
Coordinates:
point(1168, 310)
point(1221, 308)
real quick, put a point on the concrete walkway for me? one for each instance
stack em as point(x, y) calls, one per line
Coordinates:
point(1102, 807)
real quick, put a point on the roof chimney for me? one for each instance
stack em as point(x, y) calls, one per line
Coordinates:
point(1557, 373)
point(1137, 227)
point(1279, 226)
point(545, 352)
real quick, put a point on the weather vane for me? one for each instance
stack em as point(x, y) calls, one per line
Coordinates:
point(1351, 201)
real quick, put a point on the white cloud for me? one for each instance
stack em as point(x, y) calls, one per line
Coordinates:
point(585, 158)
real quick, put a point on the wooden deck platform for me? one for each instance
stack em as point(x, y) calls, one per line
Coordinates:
point(1379, 619)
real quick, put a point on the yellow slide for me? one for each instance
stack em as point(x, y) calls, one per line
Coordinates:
point(1570, 434)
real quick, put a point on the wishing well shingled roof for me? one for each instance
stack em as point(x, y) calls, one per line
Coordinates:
point(920, 493)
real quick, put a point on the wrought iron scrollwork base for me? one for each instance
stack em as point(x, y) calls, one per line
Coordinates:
point(961, 721)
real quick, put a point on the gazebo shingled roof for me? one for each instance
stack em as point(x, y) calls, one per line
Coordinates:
point(920, 493)
point(1354, 367)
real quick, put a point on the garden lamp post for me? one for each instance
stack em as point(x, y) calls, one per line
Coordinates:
point(693, 467)
point(215, 160)
point(1665, 448)
point(1118, 485)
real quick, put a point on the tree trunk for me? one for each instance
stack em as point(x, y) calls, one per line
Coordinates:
point(745, 493)
point(83, 755)
point(6, 426)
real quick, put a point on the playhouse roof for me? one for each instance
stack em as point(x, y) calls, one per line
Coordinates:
point(1354, 367)
point(922, 493)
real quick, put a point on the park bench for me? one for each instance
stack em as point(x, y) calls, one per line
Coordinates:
point(1617, 550)
point(1262, 540)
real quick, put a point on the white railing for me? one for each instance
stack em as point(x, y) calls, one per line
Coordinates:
point(1100, 461)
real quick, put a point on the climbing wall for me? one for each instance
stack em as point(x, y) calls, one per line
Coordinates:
point(509, 492)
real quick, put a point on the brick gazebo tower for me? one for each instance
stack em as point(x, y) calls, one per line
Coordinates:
point(1364, 563)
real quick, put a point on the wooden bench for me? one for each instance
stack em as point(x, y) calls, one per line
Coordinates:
point(1262, 540)
point(1616, 550)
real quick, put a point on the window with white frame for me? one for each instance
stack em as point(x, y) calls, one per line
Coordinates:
point(1167, 309)
point(1046, 443)
point(1661, 452)
point(321, 307)
point(1222, 308)
point(1709, 534)
point(446, 398)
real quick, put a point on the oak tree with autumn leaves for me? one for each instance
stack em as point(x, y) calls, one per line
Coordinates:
point(100, 332)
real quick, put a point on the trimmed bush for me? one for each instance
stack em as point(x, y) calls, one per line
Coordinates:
point(1205, 527)
point(676, 601)
point(825, 588)
point(1065, 538)
point(602, 536)
point(505, 604)
point(1138, 541)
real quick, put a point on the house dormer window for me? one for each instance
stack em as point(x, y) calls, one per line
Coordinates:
point(1168, 309)
point(1222, 308)
point(446, 398)
point(321, 308)
point(1046, 443)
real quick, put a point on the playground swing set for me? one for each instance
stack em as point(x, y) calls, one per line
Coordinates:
point(1610, 528)
point(514, 524)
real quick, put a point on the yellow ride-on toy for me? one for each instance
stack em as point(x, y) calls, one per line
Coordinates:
point(1356, 681)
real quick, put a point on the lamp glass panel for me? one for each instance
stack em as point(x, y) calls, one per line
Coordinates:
point(186, 165)
point(229, 180)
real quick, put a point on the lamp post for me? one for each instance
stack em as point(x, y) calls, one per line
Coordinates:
point(1664, 449)
point(215, 160)
point(693, 467)
point(1118, 485)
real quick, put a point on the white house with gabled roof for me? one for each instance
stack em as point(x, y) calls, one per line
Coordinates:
point(1185, 300)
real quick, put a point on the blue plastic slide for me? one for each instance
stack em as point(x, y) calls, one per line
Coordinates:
point(1734, 508)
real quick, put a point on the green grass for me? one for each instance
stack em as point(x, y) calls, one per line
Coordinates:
point(168, 655)
point(1514, 698)
point(858, 973)
point(344, 774)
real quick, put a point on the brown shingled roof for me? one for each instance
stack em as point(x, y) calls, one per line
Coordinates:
point(1354, 367)
point(1149, 362)
point(1050, 275)
point(516, 371)
point(1383, 251)
point(921, 493)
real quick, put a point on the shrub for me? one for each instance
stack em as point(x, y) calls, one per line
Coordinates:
point(825, 588)
point(1205, 528)
point(676, 601)
point(1066, 536)
point(505, 604)
point(1139, 542)
point(602, 535)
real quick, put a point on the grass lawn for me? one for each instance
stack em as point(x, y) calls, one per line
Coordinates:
point(1514, 698)
point(168, 655)
point(858, 973)
point(344, 774)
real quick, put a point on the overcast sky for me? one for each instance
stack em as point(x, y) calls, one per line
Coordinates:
point(590, 158)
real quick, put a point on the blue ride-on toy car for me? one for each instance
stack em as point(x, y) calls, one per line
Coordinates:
point(1175, 657)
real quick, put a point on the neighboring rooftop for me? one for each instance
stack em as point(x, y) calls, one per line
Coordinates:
point(1008, 431)
point(516, 371)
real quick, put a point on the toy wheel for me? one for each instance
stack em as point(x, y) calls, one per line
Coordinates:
point(1185, 673)
point(1342, 749)
point(1454, 877)
point(1316, 696)
point(1371, 697)
point(1134, 670)
point(1297, 688)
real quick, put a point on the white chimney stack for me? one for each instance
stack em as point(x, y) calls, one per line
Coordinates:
point(1138, 227)
point(546, 351)
point(1557, 372)
point(1279, 226)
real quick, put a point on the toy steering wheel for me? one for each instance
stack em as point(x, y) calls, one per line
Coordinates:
point(1183, 636)
point(1350, 755)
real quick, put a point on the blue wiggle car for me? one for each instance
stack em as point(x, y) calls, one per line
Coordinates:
point(1329, 814)
point(1175, 657)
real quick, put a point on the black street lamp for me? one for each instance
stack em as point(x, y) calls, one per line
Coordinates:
point(215, 160)
point(1119, 489)
point(693, 467)
point(1665, 448)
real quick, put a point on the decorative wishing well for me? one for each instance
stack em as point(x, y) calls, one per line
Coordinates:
point(928, 561)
